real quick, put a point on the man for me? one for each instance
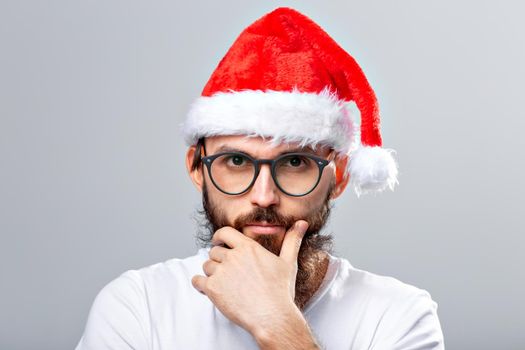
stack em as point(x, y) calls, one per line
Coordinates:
point(273, 139)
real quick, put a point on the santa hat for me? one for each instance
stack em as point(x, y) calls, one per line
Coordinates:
point(284, 78)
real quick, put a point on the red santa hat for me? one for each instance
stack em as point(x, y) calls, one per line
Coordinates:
point(286, 79)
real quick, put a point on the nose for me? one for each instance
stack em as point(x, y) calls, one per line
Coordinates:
point(264, 192)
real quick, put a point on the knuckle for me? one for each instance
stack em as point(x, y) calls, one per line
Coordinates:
point(221, 234)
point(208, 267)
point(217, 234)
point(223, 229)
point(218, 253)
point(195, 282)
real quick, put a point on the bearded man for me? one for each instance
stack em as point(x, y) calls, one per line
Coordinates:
point(272, 141)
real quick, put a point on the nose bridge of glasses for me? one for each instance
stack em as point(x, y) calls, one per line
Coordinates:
point(268, 181)
point(259, 167)
point(265, 161)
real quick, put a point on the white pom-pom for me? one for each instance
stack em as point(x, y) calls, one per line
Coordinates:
point(372, 170)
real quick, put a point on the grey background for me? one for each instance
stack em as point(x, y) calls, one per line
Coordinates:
point(93, 183)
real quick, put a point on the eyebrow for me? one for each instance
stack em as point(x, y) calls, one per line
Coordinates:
point(225, 148)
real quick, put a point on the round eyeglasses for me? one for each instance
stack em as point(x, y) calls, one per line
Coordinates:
point(295, 174)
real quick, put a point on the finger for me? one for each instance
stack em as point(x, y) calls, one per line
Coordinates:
point(209, 267)
point(218, 253)
point(199, 283)
point(292, 241)
point(228, 235)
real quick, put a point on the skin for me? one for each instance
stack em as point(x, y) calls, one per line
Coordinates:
point(247, 272)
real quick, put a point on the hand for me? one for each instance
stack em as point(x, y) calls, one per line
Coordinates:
point(251, 286)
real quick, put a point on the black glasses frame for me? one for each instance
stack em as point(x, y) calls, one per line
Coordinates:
point(321, 163)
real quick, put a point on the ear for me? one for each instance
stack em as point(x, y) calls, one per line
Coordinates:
point(196, 175)
point(341, 175)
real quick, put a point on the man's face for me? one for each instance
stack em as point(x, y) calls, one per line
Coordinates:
point(264, 213)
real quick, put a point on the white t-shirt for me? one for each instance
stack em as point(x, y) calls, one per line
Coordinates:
point(157, 308)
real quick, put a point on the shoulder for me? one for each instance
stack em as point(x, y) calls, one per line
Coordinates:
point(137, 282)
point(404, 315)
point(120, 314)
point(173, 270)
point(382, 288)
point(118, 317)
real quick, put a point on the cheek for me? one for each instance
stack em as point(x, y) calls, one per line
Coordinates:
point(233, 209)
point(299, 207)
point(230, 206)
point(316, 198)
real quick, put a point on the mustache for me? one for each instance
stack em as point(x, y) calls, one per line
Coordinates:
point(214, 218)
point(269, 214)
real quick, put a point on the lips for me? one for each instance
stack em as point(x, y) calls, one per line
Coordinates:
point(264, 228)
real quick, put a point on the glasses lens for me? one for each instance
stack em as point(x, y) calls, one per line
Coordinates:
point(297, 174)
point(232, 173)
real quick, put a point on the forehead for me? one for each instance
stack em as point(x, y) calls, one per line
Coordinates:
point(257, 146)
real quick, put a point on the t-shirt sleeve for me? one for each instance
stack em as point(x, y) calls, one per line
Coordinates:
point(118, 317)
point(411, 323)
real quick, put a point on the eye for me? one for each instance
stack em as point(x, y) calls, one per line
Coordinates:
point(237, 160)
point(295, 161)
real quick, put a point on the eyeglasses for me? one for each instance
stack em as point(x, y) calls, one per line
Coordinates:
point(295, 174)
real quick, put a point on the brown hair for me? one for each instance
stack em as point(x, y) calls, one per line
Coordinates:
point(197, 155)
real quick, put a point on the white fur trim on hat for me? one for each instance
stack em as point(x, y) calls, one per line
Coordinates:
point(283, 116)
point(372, 169)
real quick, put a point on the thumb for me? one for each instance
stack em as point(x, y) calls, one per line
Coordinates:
point(292, 241)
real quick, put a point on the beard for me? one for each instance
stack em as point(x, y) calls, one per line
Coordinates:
point(312, 258)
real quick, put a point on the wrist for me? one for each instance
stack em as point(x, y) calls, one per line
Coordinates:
point(288, 331)
point(283, 316)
